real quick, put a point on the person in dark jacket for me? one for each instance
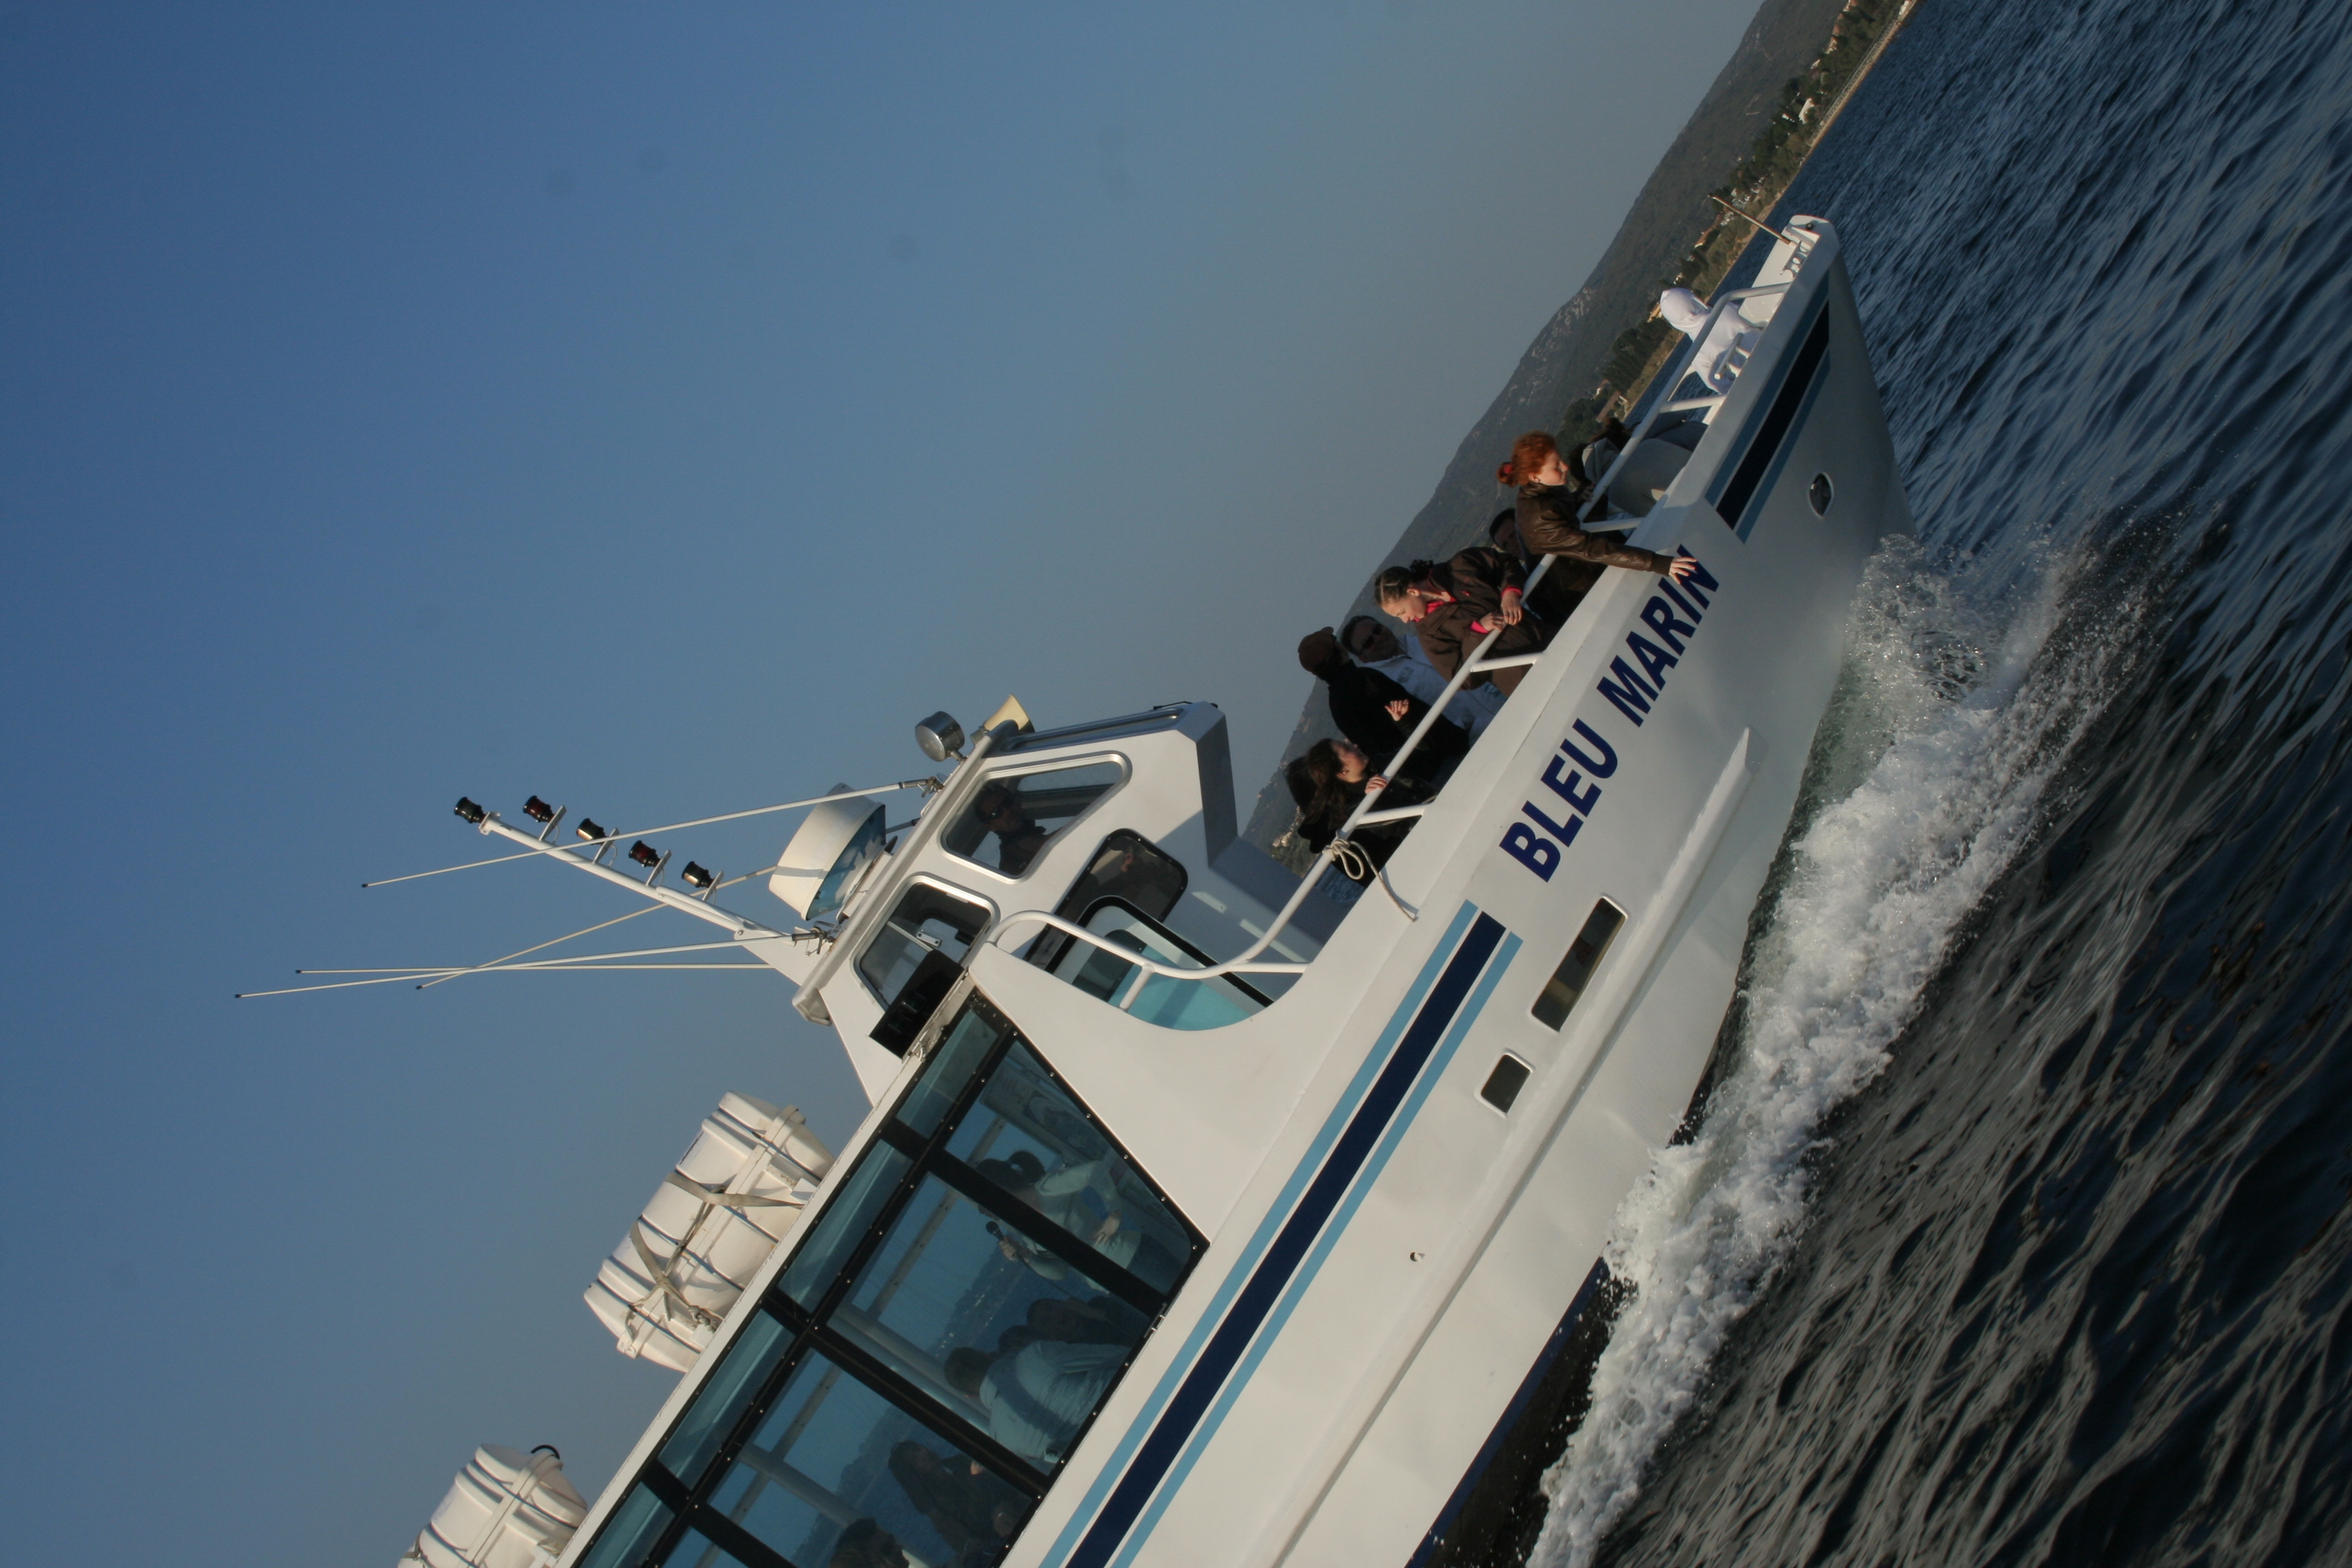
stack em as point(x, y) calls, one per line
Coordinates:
point(1329, 783)
point(1454, 606)
point(1374, 712)
point(1555, 596)
point(1550, 502)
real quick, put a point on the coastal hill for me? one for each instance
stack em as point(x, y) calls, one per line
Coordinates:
point(1565, 359)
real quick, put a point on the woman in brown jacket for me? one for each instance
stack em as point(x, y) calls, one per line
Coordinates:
point(1453, 607)
point(1548, 506)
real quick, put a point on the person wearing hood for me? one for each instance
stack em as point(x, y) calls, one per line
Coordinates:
point(1375, 712)
point(1549, 500)
point(1456, 606)
point(1373, 645)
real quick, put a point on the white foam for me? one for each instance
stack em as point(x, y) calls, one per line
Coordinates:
point(1950, 725)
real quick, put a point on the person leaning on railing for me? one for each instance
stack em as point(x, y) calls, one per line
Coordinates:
point(1453, 609)
point(1330, 780)
point(1548, 505)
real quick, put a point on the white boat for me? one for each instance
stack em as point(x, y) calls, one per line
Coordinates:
point(1200, 1217)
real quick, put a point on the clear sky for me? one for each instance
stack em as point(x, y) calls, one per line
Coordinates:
point(658, 408)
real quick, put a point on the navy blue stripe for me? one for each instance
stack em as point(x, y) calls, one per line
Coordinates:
point(1256, 1299)
point(1511, 1413)
point(1765, 444)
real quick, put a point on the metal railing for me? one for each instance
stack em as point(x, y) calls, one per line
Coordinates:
point(1366, 813)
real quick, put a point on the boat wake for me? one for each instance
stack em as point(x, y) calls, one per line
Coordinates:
point(1962, 694)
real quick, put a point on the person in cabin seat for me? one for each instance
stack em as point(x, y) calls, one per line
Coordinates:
point(1548, 504)
point(866, 1544)
point(973, 1518)
point(1036, 1398)
point(1373, 710)
point(1556, 594)
point(1453, 607)
point(1328, 782)
point(1376, 648)
point(1084, 1200)
point(1018, 838)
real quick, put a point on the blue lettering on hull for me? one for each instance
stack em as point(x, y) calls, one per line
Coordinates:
point(1539, 840)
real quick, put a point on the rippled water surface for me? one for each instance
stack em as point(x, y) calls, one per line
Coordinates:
point(2012, 1235)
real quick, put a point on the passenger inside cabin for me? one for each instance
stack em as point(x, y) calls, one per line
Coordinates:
point(1329, 783)
point(1555, 595)
point(1035, 1398)
point(866, 1544)
point(1084, 1200)
point(1453, 607)
point(1373, 645)
point(1549, 499)
point(1018, 837)
point(1375, 712)
point(971, 1515)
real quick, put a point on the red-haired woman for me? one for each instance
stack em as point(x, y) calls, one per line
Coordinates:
point(1549, 503)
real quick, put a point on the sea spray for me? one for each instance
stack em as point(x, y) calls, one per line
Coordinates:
point(1960, 698)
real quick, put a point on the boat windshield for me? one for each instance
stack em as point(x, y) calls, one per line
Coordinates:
point(937, 1344)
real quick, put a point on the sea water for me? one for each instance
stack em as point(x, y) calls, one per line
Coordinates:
point(2012, 1234)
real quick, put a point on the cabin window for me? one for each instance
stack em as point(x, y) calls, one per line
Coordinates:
point(927, 935)
point(1006, 824)
point(1161, 999)
point(938, 1344)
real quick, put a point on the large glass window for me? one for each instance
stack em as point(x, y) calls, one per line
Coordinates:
point(836, 1462)
point(937, 1347)
point(1012, 815)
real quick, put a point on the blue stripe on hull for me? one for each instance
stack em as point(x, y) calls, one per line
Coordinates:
point(1157, 1442)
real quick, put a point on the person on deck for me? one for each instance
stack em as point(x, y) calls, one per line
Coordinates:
point(1548, 504)
point(1376, 648)
point(1454, 608)
point(1555, 596)
point(1328, 782)
point(1374, 712)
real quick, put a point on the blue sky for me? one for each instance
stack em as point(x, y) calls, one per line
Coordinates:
point(656, 408)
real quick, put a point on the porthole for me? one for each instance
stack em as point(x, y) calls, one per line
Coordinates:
point(1821, 494)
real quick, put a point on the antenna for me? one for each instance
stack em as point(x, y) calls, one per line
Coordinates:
point(604, 840)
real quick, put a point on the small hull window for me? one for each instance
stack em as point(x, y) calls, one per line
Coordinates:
point(1567, 983)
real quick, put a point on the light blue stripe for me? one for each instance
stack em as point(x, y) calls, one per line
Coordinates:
point(1268, 1228)
point(1305, 1278)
